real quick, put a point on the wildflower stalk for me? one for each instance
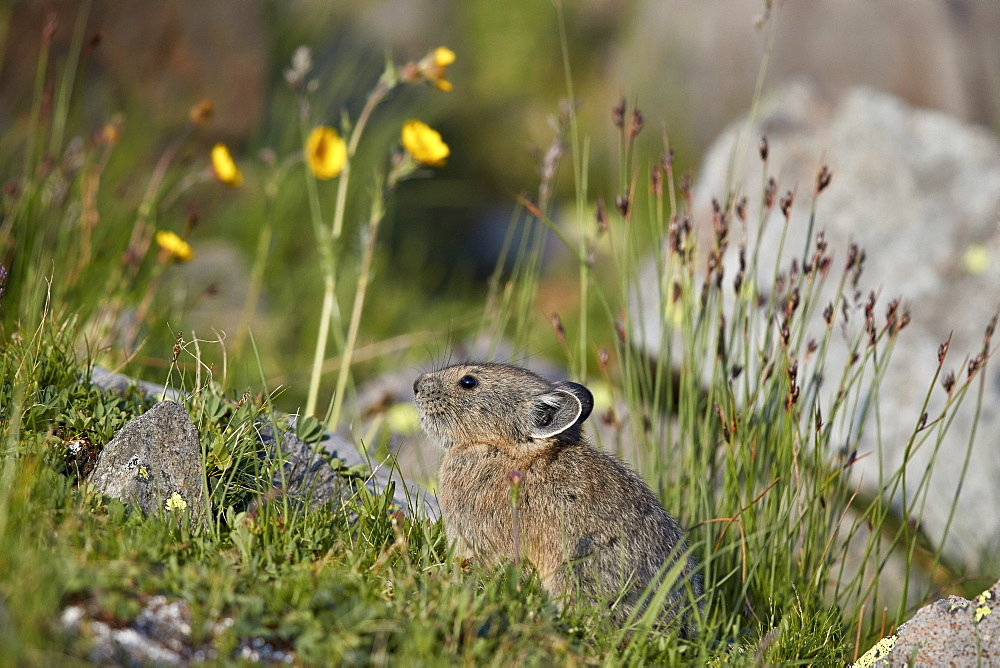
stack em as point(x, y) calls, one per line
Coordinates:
point(377, 214)
point(580, 159)
point(329, 310)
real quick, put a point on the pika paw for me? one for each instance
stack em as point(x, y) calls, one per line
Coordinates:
point(587, 523)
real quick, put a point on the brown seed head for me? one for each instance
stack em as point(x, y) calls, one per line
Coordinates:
point(637, 122)
point(769, 192)
point(786, 203)
point(618, 115)
point(622, 204)
point(823, 179)
point(602, 218)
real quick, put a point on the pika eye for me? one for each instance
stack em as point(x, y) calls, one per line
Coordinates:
point(468, 382)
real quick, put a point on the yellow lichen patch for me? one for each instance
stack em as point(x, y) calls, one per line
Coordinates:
point(983, 608)
point(879, 650)
point(176, 502)
point(144, 472)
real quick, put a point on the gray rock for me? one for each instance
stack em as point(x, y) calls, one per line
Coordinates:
point(155, 462)
point(950, 632)
point(120, 383)
point(160, 635)
point(317, 474)
point(921, 192)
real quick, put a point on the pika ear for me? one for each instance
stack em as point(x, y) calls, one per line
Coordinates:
point(555, 412)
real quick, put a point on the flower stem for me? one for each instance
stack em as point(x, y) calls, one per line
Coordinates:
point(327, 251)
point(378, 211)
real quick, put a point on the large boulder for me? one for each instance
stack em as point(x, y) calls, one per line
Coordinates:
point(920, 192)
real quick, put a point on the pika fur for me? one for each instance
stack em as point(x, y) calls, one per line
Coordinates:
point(587, 522)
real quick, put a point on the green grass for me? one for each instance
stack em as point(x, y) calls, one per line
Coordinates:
point(722, 425)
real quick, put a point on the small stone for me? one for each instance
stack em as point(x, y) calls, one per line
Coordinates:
point(949, 632)
point(155, 463)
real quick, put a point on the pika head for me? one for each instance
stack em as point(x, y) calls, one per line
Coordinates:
point(508, 407)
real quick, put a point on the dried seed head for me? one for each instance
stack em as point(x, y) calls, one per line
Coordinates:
point(823, 179)
point(769, 193)
point(722, 420)
point(602, 359)
point(990, 329)
point(975, 364)
point(557, 325)
point(622, 204)
point(852, 256)
point(904, 320)
point(637, 122)
point(943, 350)
point(786, 203)
point(762, 147)
point(685, 186)
point(793, 398)
point(177, 347)
point(667, 159)
point(828, 315)
point(618, 115)
point(948, 382)
point(858, 268)
point(741, 209)
point(602, 218)
point(656, 180)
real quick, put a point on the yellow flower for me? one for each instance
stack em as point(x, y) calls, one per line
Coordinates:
point(432, 68)
point(424, 144)
point(435, 67)
point(176, 502)
point(224, 167)
point(176, 247)
point(326, 152)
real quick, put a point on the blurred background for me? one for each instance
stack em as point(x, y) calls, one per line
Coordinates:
point(691, 67)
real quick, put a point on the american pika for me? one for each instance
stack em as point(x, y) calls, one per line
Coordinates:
point(587, 522)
